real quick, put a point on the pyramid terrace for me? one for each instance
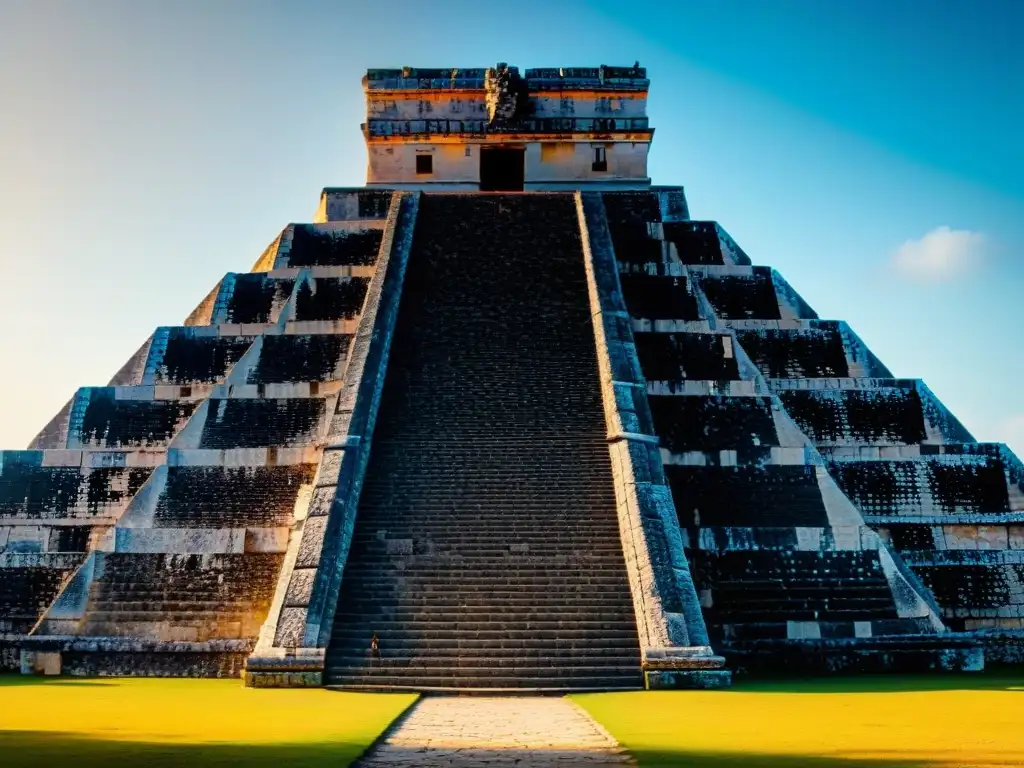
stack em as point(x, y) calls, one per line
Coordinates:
point(507, 418)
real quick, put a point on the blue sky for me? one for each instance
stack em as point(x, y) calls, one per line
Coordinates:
point(868, 150)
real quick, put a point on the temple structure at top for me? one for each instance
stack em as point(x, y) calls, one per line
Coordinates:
point(498, 130)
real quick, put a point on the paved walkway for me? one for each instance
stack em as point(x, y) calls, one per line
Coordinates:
point(477, 731)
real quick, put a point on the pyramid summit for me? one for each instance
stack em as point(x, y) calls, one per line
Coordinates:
point(507, 418)
point(499, 130)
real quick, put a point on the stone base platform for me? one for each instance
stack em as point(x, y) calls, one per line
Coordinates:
point(304, 668)
point(904, 653)
point(119, 656)
point(1002, 647)
point(487, 692)
point(687, 679)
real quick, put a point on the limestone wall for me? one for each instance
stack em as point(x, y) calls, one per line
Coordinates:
point(548, 164)
point(577, 127)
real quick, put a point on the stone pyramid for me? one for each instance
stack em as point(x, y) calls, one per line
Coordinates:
point(559, 439)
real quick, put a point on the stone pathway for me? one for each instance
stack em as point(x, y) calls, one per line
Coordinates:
point(478, 731)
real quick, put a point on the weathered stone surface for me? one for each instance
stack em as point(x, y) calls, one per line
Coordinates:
point(778, 494)
point(486, 514)
point(752, 492)
point(482, 731)
point(312, 542)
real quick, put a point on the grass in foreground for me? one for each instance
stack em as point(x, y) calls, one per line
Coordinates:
point(866, 722)
point(199, 723)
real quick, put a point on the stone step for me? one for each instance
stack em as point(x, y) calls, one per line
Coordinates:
point(523, 460)
point(563, 664)
point(206, 617)
point(950, 484)
point(476, 616)
point(609, 553)
point(483, 552)
point(783, 602)
point(311, 246)
point(482, 524)
point(537, 625)
point(486, 631)
point(556, 601)
point(184, 629)
point(454, 599)
point(776, 613)
point(880, 416)
point(521, 690)
point(846, 586)
point(490, 536)
point(523, 680)
point(412, 639)
point(385, 590)
point(563, 667)
point(149, 591)
point(359, 648)
point(156, 606)
point(422, 508)
point(867, 587)
point(440, 577)
point(385, 583)
point(774, 630)
point(517, 565)
point(513, 563)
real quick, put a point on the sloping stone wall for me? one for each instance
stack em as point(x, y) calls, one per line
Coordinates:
point(160, 512)
point(291, 646)
point(781, 558)
point(674, 642)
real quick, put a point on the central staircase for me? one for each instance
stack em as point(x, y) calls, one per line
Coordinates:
point(486, 551)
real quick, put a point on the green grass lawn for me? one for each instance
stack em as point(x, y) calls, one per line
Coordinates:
point(198, 723)
point(865, 722)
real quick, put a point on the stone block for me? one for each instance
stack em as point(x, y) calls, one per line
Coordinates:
point(330, 468)
point(398, 546)
point(960, 536)
point(312, 543)
point(993, 537)
point(291, 627)
point(283, 679)
point(1015, 537)
point(321, 501)
point(698, 679)
point(862, 629)
point(63, 458)
point(803, 630)
point(809, 539)
point(300, 588)
point(40, 662)
point(266, 539)
point(846, 537)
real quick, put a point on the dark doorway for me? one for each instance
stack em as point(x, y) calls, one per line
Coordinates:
point(501, 169)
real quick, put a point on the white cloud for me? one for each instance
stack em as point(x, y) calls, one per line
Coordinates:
point(941, 255)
